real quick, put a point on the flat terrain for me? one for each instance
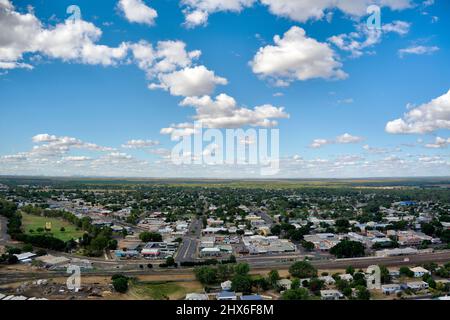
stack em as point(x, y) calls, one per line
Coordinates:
point(31, 222)
point(162, 290)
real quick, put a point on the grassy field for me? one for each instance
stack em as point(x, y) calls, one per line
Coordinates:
point(31, 222)
point(162, 290)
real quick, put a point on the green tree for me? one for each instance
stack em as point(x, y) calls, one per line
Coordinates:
point(405, 271)
point(303, 269)
point(348, 249)
point(296, 294)
point(150, 237)
point(274, 277)
point(242, 269)
point(170, 261)
point(27, 248)
point(350, 270)
point(308, 246)
point(242, 283)
point(362, 293)
point(120, 284)
point(206, 275)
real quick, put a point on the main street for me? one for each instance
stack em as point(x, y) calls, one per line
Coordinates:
point(188, 248)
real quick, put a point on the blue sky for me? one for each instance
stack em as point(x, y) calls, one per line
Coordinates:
point(335, 121)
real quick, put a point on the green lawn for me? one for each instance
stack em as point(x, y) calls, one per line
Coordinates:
point(31, 222)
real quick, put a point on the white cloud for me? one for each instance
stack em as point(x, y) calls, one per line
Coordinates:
point(399, 27)
point(179, 130)
point(426, 118)
point(345, 138)
point(223, 112)
point(374, 150)
point(346, 101)
point(296, 57)
point(168, 65)
point(318, 143)
point(348, 138)
point(76, 158)
point(137, 11)
point(173, 68)
point(305, 10)
point(417, 50)
point(140, 144)
point(364, 38)
point(197, 11)
point(438, 143)
point(193, 81)
point(68, 41)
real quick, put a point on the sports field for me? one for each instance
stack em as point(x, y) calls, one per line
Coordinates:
point(32, 222)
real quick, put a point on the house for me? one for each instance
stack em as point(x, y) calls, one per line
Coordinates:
point(346, 277)
point(126, 254)
point(331, 294)
point(25, 257)
point(226, 296)
point(328, 280)
point(284, 284)
point(417, 285)
point(394, 273)
point(419, 272)
point(210, 252)
point(391, 288)
point(196, 296)
point(226, 286)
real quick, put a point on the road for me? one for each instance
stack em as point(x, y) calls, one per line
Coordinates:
point(188, 248)
point(266, 217)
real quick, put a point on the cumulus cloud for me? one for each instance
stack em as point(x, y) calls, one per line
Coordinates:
point(417, 50)
point(193, 81)
point(197, 11)
point(426, 118)
point(374, 150)
point(345, 138)
point(137, 11)
point(305, 10)
point(68, 41)
point(438, 143)
point(296, 57)
point(168, 65)
point(179, 130)
point(224, 112)
point(140, 144)
point(363, 38)
point(171, 67)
